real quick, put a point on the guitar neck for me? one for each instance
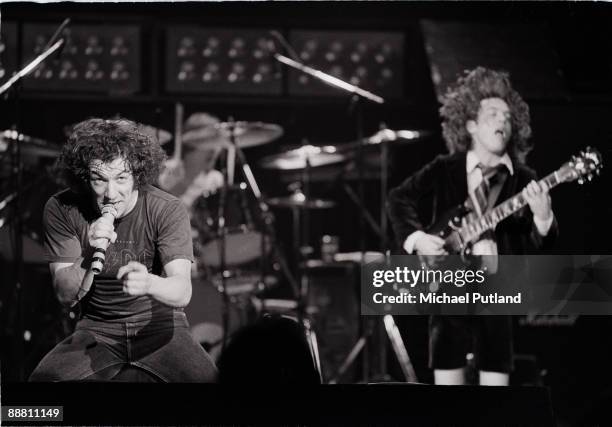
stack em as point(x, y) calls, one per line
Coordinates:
point(473, 229)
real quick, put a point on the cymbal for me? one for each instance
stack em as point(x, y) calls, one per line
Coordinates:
point(30, 146)
point(298, 200)
point(163, 136)
point(387, 135)
point(199, 119)
point(296, 158)
point(247, 134)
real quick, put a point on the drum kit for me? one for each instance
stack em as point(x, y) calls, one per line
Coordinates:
point(234, 225)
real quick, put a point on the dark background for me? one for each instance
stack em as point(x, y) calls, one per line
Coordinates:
point(559, 58)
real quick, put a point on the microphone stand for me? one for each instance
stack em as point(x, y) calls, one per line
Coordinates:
point(267, 216)
point(15, 325)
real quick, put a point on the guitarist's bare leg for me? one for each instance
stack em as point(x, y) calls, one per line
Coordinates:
point(449, 376)
point(493, 378)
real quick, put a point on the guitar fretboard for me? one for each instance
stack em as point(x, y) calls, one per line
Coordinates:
point(473, 229)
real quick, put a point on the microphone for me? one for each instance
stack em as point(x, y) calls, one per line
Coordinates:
point(97, 263)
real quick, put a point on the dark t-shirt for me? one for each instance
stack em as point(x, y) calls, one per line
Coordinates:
point(154, 233)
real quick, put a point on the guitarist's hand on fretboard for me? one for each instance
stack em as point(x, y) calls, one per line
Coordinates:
point(536, 195)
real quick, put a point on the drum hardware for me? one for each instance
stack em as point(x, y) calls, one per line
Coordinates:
point(242, 238)
point(381, 138)
point(174, 171)
point(227, 134)
point(239, 283)
point(358, 95)
point(374, 330)
point(30, 146)
point(298, 200)
point(397, 345)
point(297, 158)
point(233, 155)
point(385, 135)
point(162, 136)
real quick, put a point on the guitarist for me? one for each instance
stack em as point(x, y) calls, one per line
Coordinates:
point(486, 129)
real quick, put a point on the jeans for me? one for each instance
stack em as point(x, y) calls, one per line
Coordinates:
point(98, 350)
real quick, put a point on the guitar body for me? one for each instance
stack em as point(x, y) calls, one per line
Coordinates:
point(447, 227)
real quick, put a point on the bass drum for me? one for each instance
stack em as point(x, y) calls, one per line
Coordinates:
point(244, 242)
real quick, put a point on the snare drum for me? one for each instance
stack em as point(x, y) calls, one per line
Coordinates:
point(243, 241)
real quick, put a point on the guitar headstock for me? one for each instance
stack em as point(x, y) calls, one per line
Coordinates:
point(581, 167)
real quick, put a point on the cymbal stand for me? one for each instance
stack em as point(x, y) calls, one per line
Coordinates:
point(303, 245)
point(384, 182)
point(264, 210)
point(228, 177)
point(358, 94)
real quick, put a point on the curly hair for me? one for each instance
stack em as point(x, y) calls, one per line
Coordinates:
point(462, 103)
point(107, 140)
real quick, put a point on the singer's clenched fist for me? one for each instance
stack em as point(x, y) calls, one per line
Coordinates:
point(135, 277)
point(101, 231)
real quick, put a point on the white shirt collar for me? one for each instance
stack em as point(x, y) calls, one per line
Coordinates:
point(473, 161)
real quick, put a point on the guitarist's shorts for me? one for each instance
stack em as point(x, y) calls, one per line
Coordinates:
point(489, 338)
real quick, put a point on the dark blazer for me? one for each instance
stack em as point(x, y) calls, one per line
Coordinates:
point(441, 185)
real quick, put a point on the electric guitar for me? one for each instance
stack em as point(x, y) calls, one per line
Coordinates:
point(459, 231)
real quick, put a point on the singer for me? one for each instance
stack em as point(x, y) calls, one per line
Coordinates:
point(132, 317)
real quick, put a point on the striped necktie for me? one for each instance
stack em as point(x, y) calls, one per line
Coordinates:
point(490, 176)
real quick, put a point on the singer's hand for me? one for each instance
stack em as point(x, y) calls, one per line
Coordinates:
point(100, 231)
point(135, 277)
